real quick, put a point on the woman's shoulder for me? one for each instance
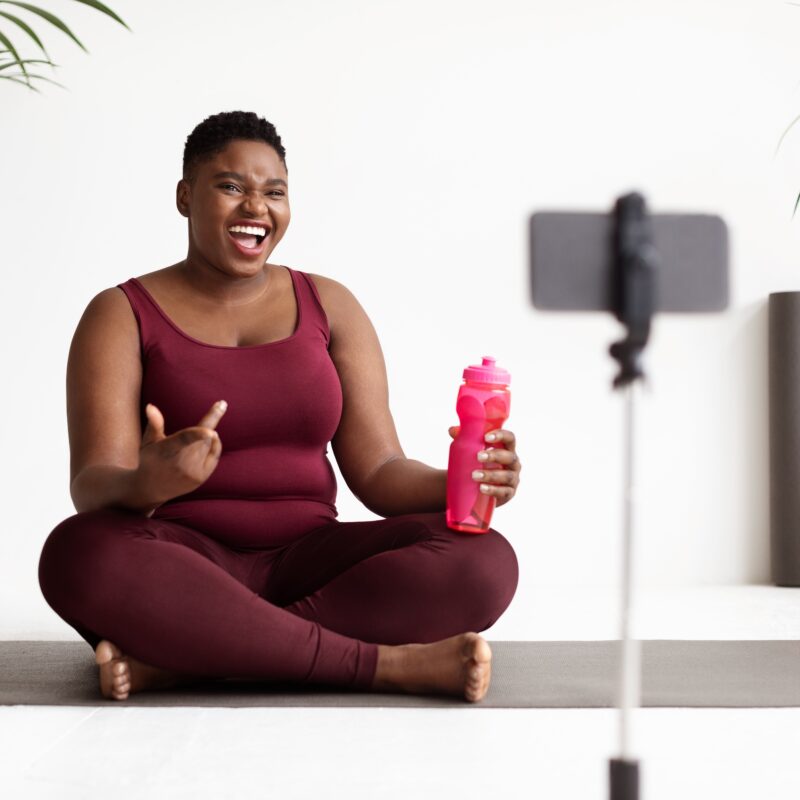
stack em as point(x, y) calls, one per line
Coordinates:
point(338, 302)
point(325, 284)
point(334, 296)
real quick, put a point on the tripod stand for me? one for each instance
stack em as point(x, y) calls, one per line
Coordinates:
point(608, 262)
point(634, 304)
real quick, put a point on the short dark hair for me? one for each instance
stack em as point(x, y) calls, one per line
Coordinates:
point(214, 133)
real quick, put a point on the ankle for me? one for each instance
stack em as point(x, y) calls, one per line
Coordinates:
point(390, 667)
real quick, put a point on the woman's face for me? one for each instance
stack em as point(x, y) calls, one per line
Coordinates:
point(237, 206)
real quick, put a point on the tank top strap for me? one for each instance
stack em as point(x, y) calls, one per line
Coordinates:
point(310, 309)
point(148, 317)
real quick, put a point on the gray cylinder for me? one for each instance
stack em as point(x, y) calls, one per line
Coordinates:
point(784, 437)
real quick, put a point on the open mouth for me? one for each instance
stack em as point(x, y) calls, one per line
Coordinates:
point(250, 237)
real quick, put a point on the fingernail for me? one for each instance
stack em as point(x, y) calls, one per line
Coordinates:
point(223, 405)
point(477, 474)
point(483, 456)
point(490, 437)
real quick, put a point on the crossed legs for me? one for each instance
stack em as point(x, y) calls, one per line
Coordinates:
point(323, 609)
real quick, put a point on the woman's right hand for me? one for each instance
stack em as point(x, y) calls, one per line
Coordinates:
point(173, 465)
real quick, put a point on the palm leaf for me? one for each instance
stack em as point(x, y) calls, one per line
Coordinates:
point(785, 132)
point(17, 79)
point(13, 52)
point(52, 19)
point(105, 9)
point(14, 57)
point(12, 63)
point(27, 28)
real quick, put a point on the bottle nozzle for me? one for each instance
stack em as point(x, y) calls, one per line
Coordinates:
point(487, 372)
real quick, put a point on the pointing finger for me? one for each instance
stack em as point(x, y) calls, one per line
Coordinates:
point(216, 446)
point(154, 428)
point(214, 415)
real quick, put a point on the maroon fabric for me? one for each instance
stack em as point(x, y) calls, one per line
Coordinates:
point(251, 575)
point(284, 405)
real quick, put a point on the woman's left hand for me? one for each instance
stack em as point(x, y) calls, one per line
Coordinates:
point(501, 476)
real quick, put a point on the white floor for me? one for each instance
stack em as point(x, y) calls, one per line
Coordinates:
point(64, 753)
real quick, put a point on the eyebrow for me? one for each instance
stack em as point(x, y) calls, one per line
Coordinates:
point(238, 177)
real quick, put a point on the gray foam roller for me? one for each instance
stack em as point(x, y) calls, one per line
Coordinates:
point(784, 436)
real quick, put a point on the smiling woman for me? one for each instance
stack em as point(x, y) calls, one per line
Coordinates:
point(215, 551)
point(238, 184)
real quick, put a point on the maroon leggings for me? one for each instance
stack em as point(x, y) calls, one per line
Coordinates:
point(311, 611)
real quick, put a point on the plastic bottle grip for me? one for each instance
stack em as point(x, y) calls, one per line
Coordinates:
point(481, 407)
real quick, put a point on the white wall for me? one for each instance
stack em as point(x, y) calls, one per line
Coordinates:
point(420, 136)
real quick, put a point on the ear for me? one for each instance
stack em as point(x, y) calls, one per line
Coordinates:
point(183, 193)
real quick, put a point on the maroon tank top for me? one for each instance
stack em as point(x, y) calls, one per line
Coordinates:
point(273, 481)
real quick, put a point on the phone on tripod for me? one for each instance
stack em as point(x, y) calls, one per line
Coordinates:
point(572, 261)
point(634, 265)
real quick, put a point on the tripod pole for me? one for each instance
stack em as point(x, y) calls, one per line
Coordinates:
point(635, 264)
point(624, 771)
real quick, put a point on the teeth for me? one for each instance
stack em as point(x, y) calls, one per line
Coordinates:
point(251, 229)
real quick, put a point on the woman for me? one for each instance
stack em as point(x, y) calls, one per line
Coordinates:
point(215, 551)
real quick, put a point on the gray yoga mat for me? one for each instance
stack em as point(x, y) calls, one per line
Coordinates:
point(547, 674)
point(784, 436)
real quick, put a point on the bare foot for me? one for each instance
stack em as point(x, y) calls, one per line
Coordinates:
point(120, 674)
point(460, 665)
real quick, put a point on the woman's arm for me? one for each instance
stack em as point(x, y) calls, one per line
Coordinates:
point(405, 486)
point(109, 486)
point(366, 444)
point(104, 382)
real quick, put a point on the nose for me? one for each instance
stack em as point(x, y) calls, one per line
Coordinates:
point(255, 202)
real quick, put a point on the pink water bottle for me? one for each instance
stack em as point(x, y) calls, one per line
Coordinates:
point(483, 405)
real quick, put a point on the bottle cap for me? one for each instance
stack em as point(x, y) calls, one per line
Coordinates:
point(487, 372)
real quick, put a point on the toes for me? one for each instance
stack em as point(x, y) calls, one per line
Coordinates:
point(122, 683)
point(475, 679)
point(478, 667)
point(482, 651)
point(115, 677)
point(478, 676)
point(105, 652)
point(477, 648)
point(474, 694)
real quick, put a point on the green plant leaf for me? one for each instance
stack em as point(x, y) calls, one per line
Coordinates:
point(13, 52)
point(30, 85)
point(7, 64)
point(53, 20)
point(49, 80)
point(17, 79)
point(27, 28)
point(785, 132)
point(105, 9)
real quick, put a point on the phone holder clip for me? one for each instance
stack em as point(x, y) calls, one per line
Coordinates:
point(634, 284)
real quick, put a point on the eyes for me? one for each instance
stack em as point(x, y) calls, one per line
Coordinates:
point(234, 187)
